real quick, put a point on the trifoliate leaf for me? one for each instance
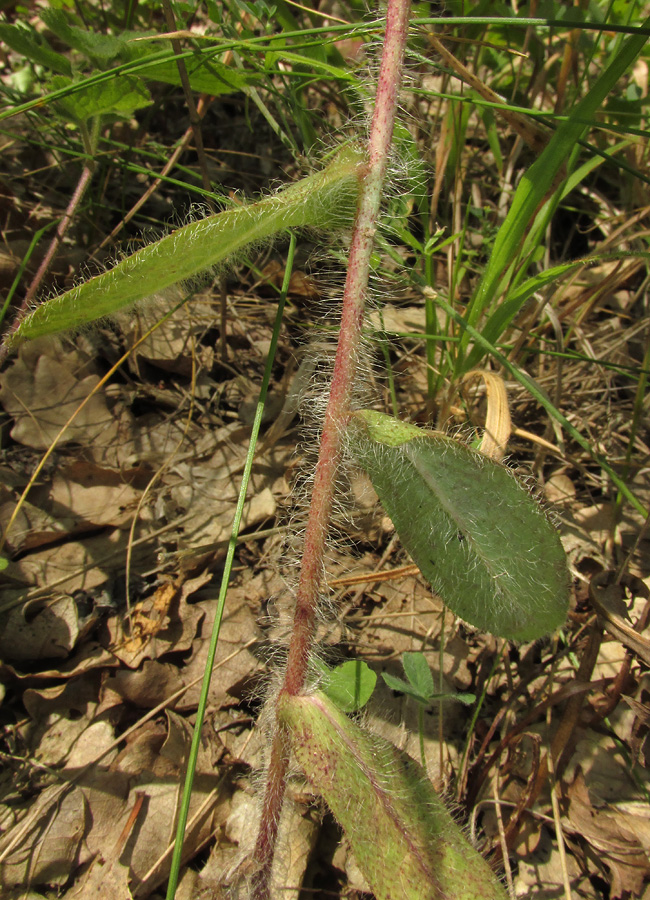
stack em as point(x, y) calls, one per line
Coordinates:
point(350, 685)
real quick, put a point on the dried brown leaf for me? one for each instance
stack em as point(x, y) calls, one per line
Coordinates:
point(159, 624)
point(50, 850)
point(41, 398)
point(614, 837)
point(49, 634)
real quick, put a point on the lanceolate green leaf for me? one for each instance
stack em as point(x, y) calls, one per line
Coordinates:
point(326, 199)
point(404, 839)
point(478, 537)
point(538, 181)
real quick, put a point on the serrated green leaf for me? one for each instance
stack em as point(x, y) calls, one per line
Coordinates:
point(476, 534)
point(97, 47)
point(24, 40)
point(119, 97)
point(206, 75)
point(350, 685)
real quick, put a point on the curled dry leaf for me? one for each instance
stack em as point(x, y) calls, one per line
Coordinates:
point(608, 602)
point(50, 633)
point(159, 624)
point(621, 840)
point(77, 565)
point(498, 425)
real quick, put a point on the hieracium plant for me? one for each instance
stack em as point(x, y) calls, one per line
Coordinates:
point(476, 533)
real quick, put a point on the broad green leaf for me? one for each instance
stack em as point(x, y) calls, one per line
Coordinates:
point(119, 97)
point(350, 685)
point(33, 46)
point(97, 47)
point(482, 542)
point(418, 673)
point(404, 839)
point(206, 76)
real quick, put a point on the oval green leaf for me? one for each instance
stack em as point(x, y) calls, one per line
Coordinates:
point(404, 839)
point(350, 685)
point(478, 537)
point(416, 669)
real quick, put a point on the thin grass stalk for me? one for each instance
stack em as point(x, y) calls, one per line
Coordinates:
point(18, 277)
point(225, 581)
point(542, 399)
point(336, 417)
point(195, 118)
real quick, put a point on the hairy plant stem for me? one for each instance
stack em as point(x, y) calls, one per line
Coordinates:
point(336, 417)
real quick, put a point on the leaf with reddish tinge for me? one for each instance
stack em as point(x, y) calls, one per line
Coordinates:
point(403, 837)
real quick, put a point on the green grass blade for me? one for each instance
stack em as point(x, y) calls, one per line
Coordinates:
point(225, 581)
point(543, 400)
point(510, 307)
point(538, 182)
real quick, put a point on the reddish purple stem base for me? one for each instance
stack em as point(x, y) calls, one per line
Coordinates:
point(336, 417)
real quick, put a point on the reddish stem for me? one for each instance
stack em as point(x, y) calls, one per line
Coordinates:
point(62, 227)
point(336, 417)
point(75, 200)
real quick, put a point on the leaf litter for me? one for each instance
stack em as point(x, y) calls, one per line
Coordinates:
point(110, 827)
point(99, 698)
